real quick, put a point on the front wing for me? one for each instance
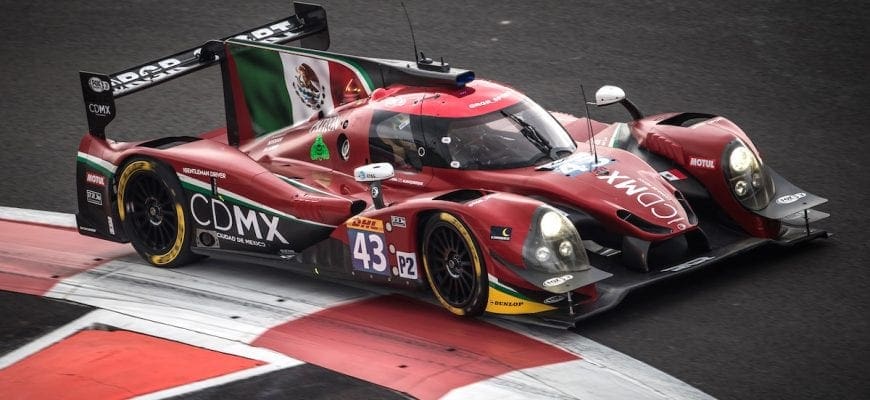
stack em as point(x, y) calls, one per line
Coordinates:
point(613, 290)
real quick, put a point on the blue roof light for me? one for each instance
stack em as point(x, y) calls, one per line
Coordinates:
point(464, 78)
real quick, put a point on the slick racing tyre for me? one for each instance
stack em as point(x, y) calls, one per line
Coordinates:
point(454, 266)
point(152, 209)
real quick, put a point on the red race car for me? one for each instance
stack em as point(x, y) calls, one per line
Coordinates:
point(416, 174)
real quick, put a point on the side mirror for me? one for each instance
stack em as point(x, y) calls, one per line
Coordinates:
point(608, 94)
point(374, 174)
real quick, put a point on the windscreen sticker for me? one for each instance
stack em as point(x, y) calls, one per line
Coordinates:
point(575, 165)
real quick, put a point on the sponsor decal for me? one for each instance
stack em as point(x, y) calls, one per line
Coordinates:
point(111, 225)
point(162, 69)
point(308, 87)
point(479, 201)
point(702, 163)
point(272, 144)
point(673, 175)
point(376, 191)
point(266, 34)
point(345, 149)
point(394, 102)
point(579, 164)
point(575, 165)
point(326, 125)
point(688, 264)
point(214, 213)
point(100, 110)
point(655, 202)
point(240, 240)
point(487, 102)
point(98, 85)
point(791, 198)
point(504, 300)
point(87, 229)
point(558, 280)
point(94, 197)
point(507, 303)
point(408, 181)
point(554, 299)
point(95, 179)
point(407, 263)
point(319, 151)
point(500, 233)
point(366, 224)
point(397, 221)
point(204, 172)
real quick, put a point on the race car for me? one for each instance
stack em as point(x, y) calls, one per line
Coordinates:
point(416, 175)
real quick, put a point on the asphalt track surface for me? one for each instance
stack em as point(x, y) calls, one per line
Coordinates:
point(779, 323)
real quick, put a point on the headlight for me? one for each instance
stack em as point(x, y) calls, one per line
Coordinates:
point(542, 254)
point(741, 159)
point(746, 176)
point(741, 188)
point(551, 224)
point(553, 244)
point(566, 249)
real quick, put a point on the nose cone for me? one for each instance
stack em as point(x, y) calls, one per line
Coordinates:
point(622, 191)
point(642, 199)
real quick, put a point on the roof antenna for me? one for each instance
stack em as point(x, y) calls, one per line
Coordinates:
point(592, 148)
point(422, 62)
point(410, 26)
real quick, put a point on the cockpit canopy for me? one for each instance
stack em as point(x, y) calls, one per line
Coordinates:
point(520, 135)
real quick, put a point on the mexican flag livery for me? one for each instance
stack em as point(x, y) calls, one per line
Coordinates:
point(277, 87)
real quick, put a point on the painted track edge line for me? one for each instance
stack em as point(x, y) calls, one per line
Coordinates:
point(39, 217)
point(272, 360)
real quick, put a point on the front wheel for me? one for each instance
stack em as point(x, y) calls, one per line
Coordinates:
point(454, 266)
point(152, 210)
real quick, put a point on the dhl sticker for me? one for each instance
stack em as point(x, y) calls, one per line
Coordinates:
point(366, 224)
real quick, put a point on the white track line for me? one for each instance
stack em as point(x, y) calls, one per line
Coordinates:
point(102, 318)
point(238, 302)
point(39, 217)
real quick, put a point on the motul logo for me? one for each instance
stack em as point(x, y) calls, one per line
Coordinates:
point(95, 179)
point(702, 162)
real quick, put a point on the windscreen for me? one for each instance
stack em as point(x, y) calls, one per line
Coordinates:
point(518, 136)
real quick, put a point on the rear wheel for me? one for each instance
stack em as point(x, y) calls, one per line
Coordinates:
point(152, 210)
point(454, 266)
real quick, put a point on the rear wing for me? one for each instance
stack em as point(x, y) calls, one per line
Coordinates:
point(99, 91)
